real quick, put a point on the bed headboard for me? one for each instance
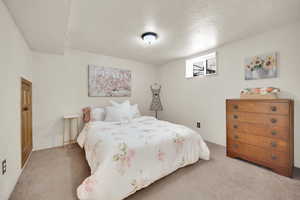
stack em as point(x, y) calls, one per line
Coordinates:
point(86, 114)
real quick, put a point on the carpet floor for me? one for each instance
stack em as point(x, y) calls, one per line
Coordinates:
point(54, 174)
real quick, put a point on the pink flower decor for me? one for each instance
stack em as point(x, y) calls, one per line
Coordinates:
point(160, 155)
point(179, 142)
point(124, 158)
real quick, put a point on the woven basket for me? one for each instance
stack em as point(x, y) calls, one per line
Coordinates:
point(259, 96)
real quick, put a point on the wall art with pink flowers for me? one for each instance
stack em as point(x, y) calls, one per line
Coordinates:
point(261, 67)
point(109, 82)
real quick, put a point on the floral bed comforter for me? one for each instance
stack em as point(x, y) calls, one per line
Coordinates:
point(127, 157)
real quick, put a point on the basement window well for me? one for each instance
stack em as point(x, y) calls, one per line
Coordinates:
point(204, 65)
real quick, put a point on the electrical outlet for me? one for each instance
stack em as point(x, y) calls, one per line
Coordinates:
point(198, 125)
point(4, 166)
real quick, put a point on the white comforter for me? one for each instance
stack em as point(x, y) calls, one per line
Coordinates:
point(127, 157)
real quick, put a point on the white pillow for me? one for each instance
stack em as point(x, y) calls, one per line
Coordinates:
point(97, 114)
point(119, 112)
point(135, 111)
point(125, 103)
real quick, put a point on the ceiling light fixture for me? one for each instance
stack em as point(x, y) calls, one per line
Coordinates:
point(149, 37)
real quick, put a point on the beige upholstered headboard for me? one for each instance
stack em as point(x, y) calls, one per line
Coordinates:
point(86, 114)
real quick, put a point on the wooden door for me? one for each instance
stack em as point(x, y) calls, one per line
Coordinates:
point(26, 119)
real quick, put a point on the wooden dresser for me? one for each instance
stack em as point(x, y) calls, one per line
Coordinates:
point(262, 132)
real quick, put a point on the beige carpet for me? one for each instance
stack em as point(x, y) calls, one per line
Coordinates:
point(54, 174)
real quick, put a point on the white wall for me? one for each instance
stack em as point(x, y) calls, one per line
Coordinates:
point(15, 62)
point(61, 87)
point(203, 99)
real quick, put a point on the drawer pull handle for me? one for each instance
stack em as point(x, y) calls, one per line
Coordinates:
point(236, 137)
point(273, 120)
point(273, 108)
point(274, 132)
point(273, 144)
point(235, 126)
point(235, 116)
point(235, 107)
point(274, 157)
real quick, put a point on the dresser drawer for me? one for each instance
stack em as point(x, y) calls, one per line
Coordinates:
point(258, 107)
point(277, 132)
point(253, 153)
point(259, 141)
point(268, 119)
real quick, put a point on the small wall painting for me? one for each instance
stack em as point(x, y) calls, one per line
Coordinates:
point(261, 67)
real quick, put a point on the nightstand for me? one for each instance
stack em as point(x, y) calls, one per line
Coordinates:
point(68, 122)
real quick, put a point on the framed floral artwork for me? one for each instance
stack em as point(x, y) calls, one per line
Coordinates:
point(261, 67)
point(109, 82)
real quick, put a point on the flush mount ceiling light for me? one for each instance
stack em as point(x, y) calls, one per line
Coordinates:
point(149, 37)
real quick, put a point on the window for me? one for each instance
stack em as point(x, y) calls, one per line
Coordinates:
point(201, 66)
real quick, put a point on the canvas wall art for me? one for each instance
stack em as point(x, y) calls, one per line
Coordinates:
point(261, 67)
point(109, 82)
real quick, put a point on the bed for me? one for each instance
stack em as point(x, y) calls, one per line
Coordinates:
point(126, 157)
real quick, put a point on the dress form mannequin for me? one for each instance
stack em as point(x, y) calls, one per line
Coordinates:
point(156, 103)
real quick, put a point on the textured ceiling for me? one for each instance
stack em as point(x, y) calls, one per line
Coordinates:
point(42, 22)
point(113, 27)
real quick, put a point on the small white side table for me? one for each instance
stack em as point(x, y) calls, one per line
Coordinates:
point(68, 120)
